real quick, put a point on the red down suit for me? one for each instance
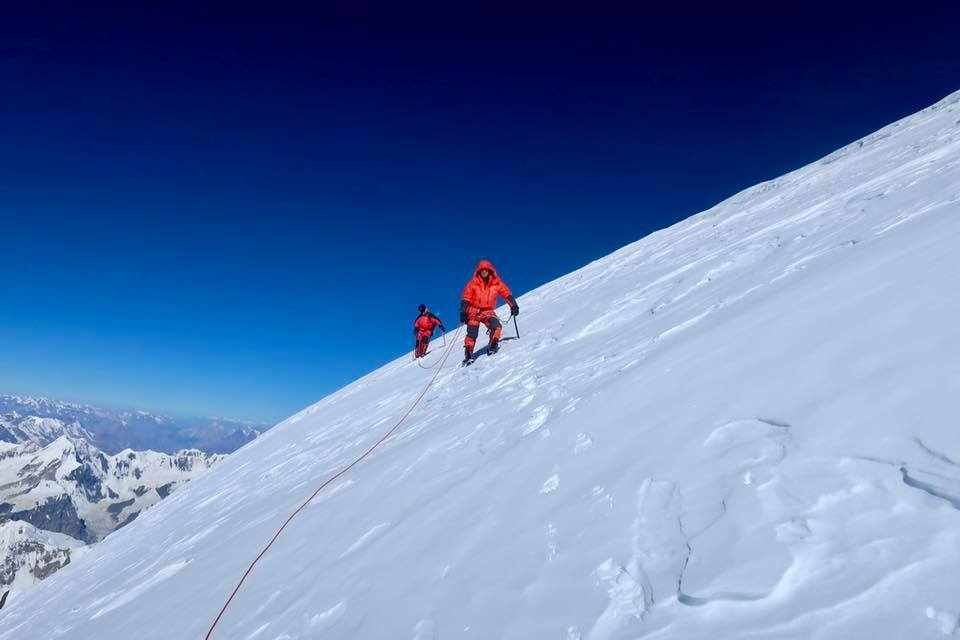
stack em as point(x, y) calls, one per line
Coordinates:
point(423, 328)
point(478, 302)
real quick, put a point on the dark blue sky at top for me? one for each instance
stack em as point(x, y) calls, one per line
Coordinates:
point(234, 211)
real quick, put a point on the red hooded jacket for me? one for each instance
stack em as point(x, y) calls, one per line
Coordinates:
point(481, 296)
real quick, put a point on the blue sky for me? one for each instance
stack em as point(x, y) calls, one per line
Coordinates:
point(236, 211)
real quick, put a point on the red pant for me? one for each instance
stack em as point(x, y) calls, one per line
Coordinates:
point(489, 320)
point(423, 341)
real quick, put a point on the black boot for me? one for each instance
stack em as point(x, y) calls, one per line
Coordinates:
point(467, 354)
point(493, 347)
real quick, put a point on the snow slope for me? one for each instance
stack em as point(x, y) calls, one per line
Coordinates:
point(28, 554)
point(743, 426)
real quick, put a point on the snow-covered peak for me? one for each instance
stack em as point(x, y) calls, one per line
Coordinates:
point(9, 446)
point(14, 532)
point(38, 403)
point(18, 428)
point(62, 443)
point(71, 486)
point(29, 554)
point(740, 426)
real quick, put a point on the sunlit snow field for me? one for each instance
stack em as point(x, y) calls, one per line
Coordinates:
point(743, 426)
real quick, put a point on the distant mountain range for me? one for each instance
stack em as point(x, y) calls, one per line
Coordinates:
point(41, 421)
point(71, 487)
point(57, 498)
point(70, 474)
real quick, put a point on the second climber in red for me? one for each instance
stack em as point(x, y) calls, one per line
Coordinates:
point(477, 307)
point(423, 330)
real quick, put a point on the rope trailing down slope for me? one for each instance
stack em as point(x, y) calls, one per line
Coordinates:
point(327, 482)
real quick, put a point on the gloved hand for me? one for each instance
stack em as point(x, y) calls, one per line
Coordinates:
point(442, 328)
point(514, 310)
point(463, 317)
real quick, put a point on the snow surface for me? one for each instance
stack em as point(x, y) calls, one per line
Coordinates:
point(743, 426)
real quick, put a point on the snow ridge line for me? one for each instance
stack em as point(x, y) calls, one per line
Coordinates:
point(329, 480)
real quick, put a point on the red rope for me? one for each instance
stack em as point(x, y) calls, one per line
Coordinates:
point(439, 361)
point(324, 485)
point(431, 366)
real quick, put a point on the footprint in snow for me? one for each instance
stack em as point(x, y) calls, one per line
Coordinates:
point(552, 545)
point(948, 621)
point(582, 444)
point(602, 501)
point(557, 392)
point(424, 630)
point(539, 418)
point(550, 484)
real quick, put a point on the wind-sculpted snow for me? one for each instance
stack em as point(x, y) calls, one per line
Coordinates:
point(743, 426)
